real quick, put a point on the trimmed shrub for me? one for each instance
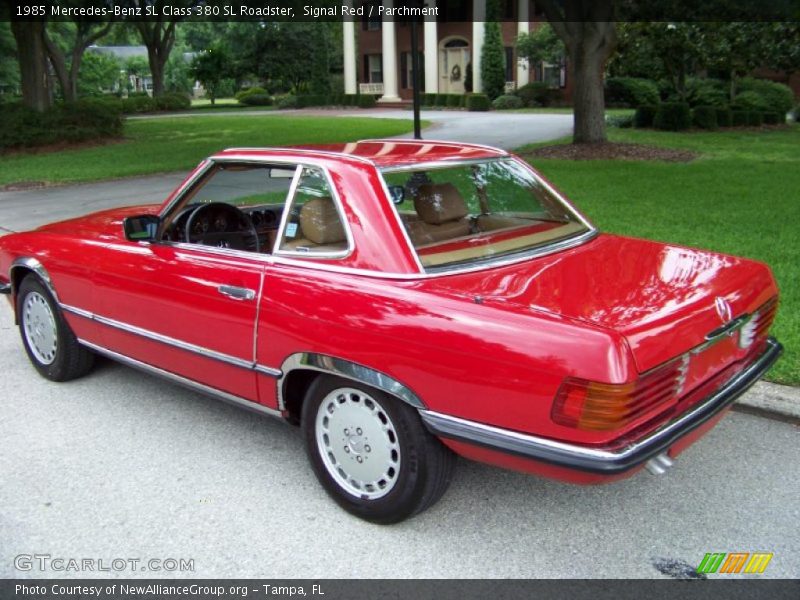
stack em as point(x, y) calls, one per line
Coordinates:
point(453, 100)
point(478, 102)
point(173, 101)
point(286, 102)
point(739, 118)
point(462, 100)
point(257, 100)
point(429, 99)
point(750, 101)
point(673, 116)
point(772, 118)
point(775, 97)
point(645, 114)
point(249, 91)
point(138, 104)
point(706, 92)
point(537, 93)
point(86, 119)
point(755, 118)
point(724, 117)
point(621, 121)
point(507, 102)
point(366, 101)
point(704, 117)
point(628, 92)
point(441, 99)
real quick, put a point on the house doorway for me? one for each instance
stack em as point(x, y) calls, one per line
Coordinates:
point(454, 57)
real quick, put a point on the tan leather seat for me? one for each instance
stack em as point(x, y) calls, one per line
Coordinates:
point(442, 215)
point(320, 228)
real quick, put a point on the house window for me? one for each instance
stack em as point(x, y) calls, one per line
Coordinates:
point(509, 63)
point(553, 74)
point(406, 71)
point(373, 68)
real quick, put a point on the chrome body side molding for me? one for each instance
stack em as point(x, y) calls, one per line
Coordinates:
point(348, 370)
point(169, 341)
point(189, 383)
point(606, 461)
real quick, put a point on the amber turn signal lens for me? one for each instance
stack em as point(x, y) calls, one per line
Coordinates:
point(600, 406)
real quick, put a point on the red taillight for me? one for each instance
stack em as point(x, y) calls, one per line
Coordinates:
point(602, 406)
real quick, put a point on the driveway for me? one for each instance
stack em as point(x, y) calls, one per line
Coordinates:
point(31, 208)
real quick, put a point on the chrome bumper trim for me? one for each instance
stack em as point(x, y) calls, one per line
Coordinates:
point(5, 288)
point(604, 461)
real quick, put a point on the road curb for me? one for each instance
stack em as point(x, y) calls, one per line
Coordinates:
point(771, 400)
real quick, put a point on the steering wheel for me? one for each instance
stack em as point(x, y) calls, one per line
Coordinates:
point(237, 228)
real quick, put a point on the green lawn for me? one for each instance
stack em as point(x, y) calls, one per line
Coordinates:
point(163, 145)
point(741, 197)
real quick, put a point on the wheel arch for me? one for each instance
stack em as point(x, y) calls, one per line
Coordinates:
point(22, 267)
point(301, 369)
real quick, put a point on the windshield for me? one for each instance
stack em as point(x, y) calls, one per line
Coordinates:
point(457, 215)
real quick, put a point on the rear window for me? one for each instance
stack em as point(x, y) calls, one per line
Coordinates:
point(458, 215)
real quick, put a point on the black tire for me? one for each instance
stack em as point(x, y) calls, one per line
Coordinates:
point(424, 465)
point(63, 360)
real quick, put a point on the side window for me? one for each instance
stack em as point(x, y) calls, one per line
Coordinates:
point(314, 225)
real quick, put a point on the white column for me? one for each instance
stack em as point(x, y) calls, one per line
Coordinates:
point(431, 53)
point(478, 26)
point(349, 51)
point(523, 69)
point(389, 47)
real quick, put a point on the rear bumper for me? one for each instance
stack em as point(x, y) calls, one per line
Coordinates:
point(604, 461)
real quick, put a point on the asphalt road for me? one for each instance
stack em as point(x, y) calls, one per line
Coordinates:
point(122, 465)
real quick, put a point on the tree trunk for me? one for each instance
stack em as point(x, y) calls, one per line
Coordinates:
point(59, 64)
point(157, 73)
point(32, 64)
point(588, 97)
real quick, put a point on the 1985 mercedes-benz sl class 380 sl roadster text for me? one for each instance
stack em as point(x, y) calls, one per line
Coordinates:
point(403, 302)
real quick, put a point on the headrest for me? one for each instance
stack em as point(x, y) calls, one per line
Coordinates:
point(439, 203)
point(320, 222)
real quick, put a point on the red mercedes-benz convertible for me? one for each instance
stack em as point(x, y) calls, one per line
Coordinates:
point(403, 302)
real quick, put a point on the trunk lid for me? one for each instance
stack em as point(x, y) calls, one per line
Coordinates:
point(664, 299)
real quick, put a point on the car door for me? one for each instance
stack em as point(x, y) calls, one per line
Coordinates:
point(188, 302)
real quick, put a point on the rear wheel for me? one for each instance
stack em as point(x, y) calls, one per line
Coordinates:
point(371, 452)
point(49, 342)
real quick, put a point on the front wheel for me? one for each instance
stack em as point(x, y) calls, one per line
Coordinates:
point(371, 452)
point(49, 342)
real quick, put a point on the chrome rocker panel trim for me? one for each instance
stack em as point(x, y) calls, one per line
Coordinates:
point(606, 462)
point(189, 383)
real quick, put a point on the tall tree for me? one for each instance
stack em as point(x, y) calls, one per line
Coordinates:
point(210, 67)
point(66, 44)
point(32, 56)
point(587, 29)
point(493, 68)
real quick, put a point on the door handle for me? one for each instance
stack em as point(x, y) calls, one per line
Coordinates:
point(237, 293)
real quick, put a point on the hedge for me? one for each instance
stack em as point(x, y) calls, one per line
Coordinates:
point(739, 118)
point(536, 94)
point(673, 116)
point(429, 99)
point(453, 100)
point(724, 117)
point(705, 117)
point(441, 99)
point(87, 119)
point(256, 100)
point(707, 92)
point(771, 118)
point(173, 101)
point(630, 91)
point(507, 102)
point(755, 118)
point(775, 97)
point(750, 101)
point(253, 91)
point(366, 101)
point(478, 102)
point(645, 114)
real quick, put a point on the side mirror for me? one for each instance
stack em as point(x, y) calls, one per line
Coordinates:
point(398, 193)
point(141, 228)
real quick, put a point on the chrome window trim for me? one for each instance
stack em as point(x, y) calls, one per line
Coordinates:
point(286, 203)
point(189, 383)
point(349, 370)
point(339, 209)
point(449, 144)
point(235, 361)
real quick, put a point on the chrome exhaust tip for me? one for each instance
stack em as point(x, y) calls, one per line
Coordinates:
point(659, 464)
